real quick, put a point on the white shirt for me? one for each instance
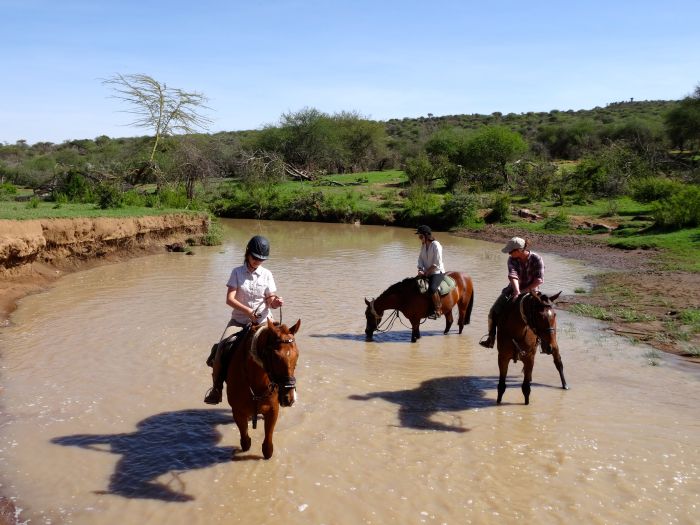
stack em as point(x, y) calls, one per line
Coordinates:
point(251, 289)
point(431, 255)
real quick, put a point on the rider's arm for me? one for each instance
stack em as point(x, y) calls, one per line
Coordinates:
point(533, 285)
point(237, 305)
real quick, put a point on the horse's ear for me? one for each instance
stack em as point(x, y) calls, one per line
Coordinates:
point(295, 328)
point(271, 325)
point(555, 297)
point(366, 301)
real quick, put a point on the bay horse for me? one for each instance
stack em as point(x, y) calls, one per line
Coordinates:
point(524, 324)
point(260, 378)
point(405, 297)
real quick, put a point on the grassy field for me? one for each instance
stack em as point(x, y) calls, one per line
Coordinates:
point(48, 210)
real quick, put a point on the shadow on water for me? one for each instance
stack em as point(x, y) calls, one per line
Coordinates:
point(443, 394)
point(167, 443)
point(396, 336)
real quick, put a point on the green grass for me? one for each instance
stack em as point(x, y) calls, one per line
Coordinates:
point(48, 210)
point(588, 310)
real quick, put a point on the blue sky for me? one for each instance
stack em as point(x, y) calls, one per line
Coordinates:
point(258, 59)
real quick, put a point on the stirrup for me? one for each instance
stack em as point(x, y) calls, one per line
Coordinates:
point(213, 396)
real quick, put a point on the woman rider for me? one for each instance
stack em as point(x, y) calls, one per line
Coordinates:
point(431, 265)
point(525, 273)
point(251, 294)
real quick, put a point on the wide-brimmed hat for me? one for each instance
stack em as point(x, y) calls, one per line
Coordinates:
point(424, 230)
point(516, 243)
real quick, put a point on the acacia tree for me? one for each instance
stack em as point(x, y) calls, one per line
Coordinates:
point(167, 111)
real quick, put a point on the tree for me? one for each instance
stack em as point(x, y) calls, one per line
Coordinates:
point(167, 111)
point(490, 150)
point(683, 122)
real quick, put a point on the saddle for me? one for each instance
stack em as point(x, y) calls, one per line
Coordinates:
point(446, 286)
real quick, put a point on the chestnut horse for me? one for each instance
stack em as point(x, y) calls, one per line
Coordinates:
point(260, 378)
point(405, 297)
point(527, 322)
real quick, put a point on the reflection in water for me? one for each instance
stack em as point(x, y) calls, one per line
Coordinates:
point(384, 432)
point(168, 443)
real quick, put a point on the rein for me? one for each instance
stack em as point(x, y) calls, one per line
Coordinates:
point(274, 384)
point(388, 322)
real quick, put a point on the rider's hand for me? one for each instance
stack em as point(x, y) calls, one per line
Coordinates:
point(276, 301)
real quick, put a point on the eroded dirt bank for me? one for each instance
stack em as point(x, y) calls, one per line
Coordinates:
point(35, 253)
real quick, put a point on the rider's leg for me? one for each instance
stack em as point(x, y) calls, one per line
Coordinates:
point(218, 374)
point(494, 314)
point(435, 280)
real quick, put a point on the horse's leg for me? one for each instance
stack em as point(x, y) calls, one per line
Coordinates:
point(241, 420)
point(270, 421)
point(560, 367)
point(448, 320)
point(415, 330)
point(528, 364)
point(503, 361)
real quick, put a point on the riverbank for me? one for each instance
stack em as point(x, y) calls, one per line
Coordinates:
point(633, 295)
point(34, 253)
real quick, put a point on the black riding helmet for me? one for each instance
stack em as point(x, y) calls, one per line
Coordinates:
point(259, 247)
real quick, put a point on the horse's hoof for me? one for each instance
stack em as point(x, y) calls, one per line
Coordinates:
point(565, 387)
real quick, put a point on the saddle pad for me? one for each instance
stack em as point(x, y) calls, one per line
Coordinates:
point(446, 286)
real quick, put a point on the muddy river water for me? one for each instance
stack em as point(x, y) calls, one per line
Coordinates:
point(102, 420)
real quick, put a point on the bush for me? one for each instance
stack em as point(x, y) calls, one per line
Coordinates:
point(460, 209)
point(421, 205)
point(651, 189)
point(108, 196)
point(214, 235)
point(559, 222)
point(680, 210)
point(500, 209)
point(7, 191)
point(134, 198)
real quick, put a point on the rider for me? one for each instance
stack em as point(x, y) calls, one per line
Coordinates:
point(525, 273)
point(431, 265)
point(251, 294)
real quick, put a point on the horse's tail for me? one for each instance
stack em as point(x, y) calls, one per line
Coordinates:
point(470, 306)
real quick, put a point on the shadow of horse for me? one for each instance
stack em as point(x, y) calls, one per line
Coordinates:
point(167, 443)
point(396, 336)
point(443, 394)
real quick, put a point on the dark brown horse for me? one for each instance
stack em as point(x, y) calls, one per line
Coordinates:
point(525, 323)
point(405, 297)
point(260, 378)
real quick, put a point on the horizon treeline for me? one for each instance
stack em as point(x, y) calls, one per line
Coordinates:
point(592, 153)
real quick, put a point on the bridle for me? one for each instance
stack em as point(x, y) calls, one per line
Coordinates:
point(388, 322)
point(529, 320)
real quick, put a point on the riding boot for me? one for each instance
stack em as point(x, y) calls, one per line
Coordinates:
point(215, 393)
point(491, 338)
point(437, 304)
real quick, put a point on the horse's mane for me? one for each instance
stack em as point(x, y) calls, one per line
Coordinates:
point(400, 286)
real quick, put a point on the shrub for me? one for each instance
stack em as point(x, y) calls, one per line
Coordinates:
point(460, 209)
point(649, 189)
point(108, 196)
point(500, 209)
point(680, 210)
point(7, 190)
point(214, 235)
point(559, 222)
point(134, 198)
point(33, 203)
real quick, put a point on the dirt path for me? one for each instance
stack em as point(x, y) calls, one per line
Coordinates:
point(635, 297)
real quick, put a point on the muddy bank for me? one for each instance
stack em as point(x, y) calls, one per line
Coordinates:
point(637, 299)
point(35, 253)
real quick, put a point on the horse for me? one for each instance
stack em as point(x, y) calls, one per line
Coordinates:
point(529, 321)
point(260, 378)
point(406, 298)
